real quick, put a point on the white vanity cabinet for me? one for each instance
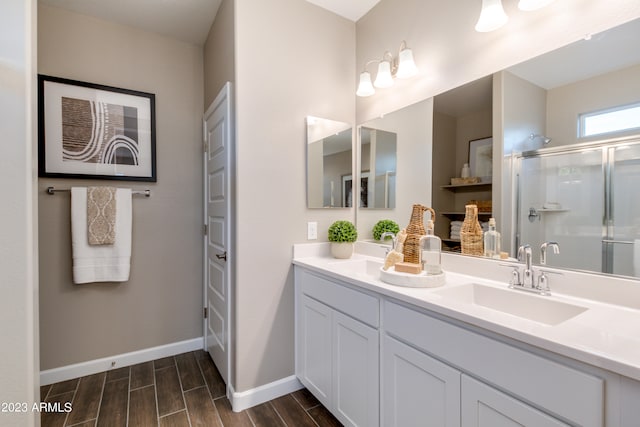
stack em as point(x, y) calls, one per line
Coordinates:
point(374, 359)
point(536, 391)
point(417, 390)
point(484, 406)
point(337, 347)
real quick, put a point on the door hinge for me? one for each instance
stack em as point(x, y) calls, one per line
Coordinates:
point(205, 312)
point(205, 229)
point(204, 146)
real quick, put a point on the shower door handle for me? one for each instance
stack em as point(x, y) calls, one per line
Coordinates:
point(222, 256)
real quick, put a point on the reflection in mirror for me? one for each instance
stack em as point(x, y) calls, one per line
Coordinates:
point(411, 129)
point(462, 119)
point(544, 96)
point(329, 163)
point(563, 194)
point(377, 168)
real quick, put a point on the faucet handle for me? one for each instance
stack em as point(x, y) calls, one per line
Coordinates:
point(515, 277)
point(543, 251)
point(522, 252)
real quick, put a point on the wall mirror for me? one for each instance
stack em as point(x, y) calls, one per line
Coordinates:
point(378, 164)
point(402, 177)
point(537, 144)
point(329, 163)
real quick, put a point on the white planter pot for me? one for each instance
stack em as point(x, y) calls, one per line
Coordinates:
point(341, 250)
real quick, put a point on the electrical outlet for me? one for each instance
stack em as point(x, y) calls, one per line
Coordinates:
point(312, 230)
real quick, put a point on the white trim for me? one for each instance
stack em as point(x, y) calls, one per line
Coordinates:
point(90, 367)
point(264, 393)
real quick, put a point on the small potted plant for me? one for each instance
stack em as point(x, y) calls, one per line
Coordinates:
point(342, 235)
point(383, 226)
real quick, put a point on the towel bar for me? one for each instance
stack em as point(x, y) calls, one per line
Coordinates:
point(52, 190)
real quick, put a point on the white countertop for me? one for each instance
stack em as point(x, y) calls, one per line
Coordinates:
point(606, 335)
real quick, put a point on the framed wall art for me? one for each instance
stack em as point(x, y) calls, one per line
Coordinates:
point(481, 157)
point(88, 130)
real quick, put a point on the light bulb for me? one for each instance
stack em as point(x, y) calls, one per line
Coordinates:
point(383, 78)
point(365, 88)
point(406, 67)
point(492, 16)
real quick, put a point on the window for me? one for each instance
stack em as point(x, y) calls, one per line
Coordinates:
point(614, 119)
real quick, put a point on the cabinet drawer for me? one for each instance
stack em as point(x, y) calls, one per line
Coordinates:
point(356, 304)
point(559, 389)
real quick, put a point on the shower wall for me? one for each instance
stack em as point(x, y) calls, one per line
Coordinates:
point(586, 200)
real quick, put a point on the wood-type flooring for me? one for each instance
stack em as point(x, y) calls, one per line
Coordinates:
point(178, 391)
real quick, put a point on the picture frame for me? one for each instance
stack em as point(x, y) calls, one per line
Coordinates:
point(88, 130)
point(481, 157)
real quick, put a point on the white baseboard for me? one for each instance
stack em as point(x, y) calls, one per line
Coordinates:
point(90, 367)
point(255, 396)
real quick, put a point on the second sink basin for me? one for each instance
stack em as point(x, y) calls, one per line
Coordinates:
point(513, 302)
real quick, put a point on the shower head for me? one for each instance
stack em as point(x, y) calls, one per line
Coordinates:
point(545, 140)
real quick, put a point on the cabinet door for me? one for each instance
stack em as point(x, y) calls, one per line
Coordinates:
point(355, 372)
point(314, 348)
point(484, 406)
point(418, 390)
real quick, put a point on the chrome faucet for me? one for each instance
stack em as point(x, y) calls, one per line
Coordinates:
point(543, 281)
point(526, 280)
point(543, 251)
point(527, 275)
point(391, 234)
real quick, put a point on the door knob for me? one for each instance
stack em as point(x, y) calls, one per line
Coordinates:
point(222, 255)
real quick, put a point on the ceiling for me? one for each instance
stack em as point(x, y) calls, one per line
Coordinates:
point(610, 50)
point(350, 9)
point(185, 20)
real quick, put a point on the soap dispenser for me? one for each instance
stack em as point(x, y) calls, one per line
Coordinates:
point(431, 251)
point(492, 241)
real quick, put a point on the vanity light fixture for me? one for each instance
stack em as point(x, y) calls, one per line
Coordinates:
point(492, 15)
point(389, 68)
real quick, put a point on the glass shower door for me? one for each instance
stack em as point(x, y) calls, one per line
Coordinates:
point(621, 247)
point(561, 199)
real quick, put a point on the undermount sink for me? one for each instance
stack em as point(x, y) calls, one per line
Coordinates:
point(516, 303)
point(358, 267)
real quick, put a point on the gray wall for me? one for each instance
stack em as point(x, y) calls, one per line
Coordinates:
point(565, 103)
point(19, 381)
point(449, 52)
point(162, 301)
point(293, 59)
point(219, 52)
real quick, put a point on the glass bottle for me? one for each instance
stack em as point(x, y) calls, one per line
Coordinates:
point(431, 251)
point(466, 172)
point(492, 240)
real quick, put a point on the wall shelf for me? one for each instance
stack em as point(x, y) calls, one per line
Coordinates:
point(457, 214)
point(474, 187)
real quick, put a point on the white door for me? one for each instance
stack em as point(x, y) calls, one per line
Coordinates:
point(418, 390)
point(218, 135)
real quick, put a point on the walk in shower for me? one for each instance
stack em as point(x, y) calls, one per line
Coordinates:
point(586, 198)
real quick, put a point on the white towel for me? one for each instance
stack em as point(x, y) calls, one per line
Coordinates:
point(100, 263)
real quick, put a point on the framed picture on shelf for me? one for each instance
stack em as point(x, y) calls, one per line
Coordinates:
point(86, 130)
point(481, 157)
